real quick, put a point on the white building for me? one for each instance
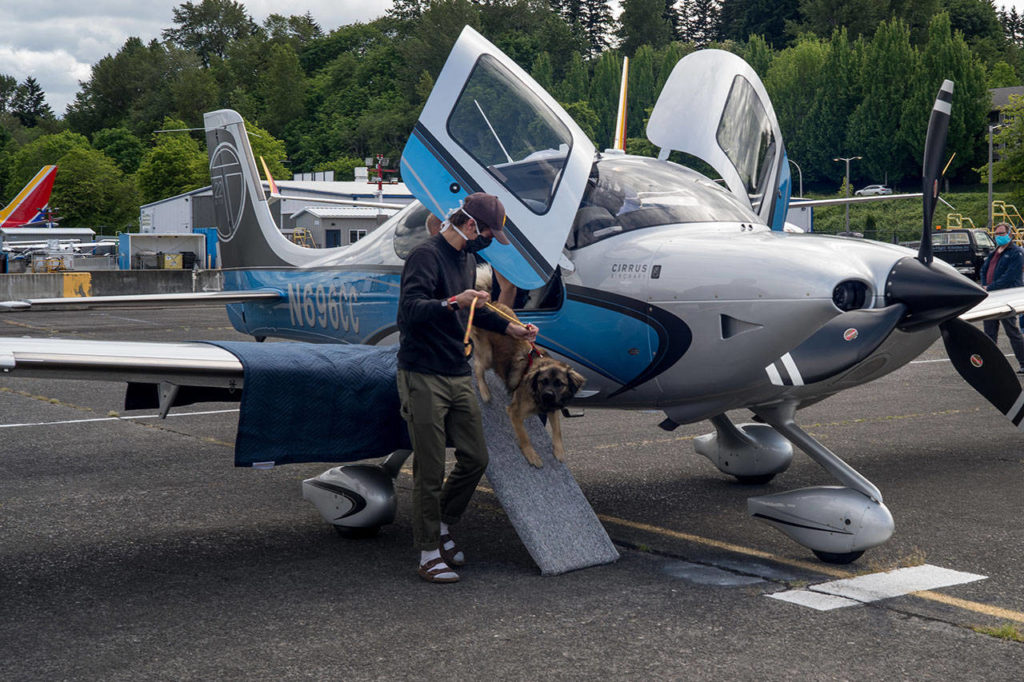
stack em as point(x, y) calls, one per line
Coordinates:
point(182, 213)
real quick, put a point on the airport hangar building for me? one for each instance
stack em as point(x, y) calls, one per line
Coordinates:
point(327, 224)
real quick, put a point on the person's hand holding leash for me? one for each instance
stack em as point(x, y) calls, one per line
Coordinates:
point(466, 297)
point(526, 333)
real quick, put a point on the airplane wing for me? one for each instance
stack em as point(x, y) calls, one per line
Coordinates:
point(1001, 303)
point(839, 201)
point(136, 300)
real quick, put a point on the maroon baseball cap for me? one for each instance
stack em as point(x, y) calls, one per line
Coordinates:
point(488, 211)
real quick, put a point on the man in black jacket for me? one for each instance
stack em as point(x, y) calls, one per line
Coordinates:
point(434, 376)
point(1003, 270)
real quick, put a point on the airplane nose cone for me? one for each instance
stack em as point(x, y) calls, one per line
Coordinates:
point(932, 295)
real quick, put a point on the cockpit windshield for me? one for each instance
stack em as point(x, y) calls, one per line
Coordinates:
point(628, 193)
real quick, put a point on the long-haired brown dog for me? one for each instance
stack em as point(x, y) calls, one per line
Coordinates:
point(538, 386)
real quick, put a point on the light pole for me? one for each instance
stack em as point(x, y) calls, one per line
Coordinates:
point(802, 176)
point(991, 129)
point(848, 159)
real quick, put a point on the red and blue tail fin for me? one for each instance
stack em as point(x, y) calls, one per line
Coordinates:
point(29, 206)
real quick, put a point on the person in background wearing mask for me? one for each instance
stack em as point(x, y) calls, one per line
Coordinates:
point(439, 402)
point(1004, 269)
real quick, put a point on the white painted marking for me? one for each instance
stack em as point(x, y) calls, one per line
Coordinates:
point(116, 419)
point(943, 107)
point(813, 600)
point(794, 373)
point(865, 589)
point(869, 588)
point(774, 375)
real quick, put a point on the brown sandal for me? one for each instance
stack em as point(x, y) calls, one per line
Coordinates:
point(434, 569)
point(449, 554)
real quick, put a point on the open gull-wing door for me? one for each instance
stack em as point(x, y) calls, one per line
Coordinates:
point(489, 127)
point(730, 124)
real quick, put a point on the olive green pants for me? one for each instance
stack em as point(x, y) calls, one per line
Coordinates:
point(440, 409)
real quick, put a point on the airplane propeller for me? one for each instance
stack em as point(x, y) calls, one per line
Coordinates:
point(918, 296)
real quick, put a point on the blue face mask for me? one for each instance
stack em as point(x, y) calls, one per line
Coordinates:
point(1002, 239)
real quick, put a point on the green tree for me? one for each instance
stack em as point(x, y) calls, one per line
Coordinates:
point(767, 18)
point(641, 94)
point(947, 56)
point(175, 164)
point(1009, 167)
point(604, 96)
point(8, 87)
point(91, 191)
point(1002, 75)
point(576, 84)
point(700, 22)
point(794, 84)
point(758, 53)
point(207, 27)
point(543, 72)
point(29, 103)
point(642, 23)
point(859, 17)
point(269, 148)
point(886, 79)
point(46, 149)
point(596, 22)
point(827, 123)
point(283, 87)
point(123, 148)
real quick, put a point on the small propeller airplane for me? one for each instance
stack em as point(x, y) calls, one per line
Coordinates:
point(28, 207)
point(665, 289)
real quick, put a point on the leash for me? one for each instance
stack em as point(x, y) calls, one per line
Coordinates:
point(534, 351)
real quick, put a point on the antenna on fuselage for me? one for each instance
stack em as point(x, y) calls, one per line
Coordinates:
point(620, 118)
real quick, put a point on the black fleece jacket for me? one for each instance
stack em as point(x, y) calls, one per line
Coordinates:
point(430, 334)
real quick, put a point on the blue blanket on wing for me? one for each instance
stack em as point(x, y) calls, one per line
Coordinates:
point(309, 402)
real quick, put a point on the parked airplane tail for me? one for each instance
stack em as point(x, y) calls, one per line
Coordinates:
point(246, 230)
point(28, 207)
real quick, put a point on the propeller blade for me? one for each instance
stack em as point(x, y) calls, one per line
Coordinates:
point(934, 149)
point(838, 345)
point(984, 367)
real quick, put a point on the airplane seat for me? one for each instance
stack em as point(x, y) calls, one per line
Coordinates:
point(588, 220)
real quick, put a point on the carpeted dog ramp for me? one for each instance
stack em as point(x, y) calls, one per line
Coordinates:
point(546, 506)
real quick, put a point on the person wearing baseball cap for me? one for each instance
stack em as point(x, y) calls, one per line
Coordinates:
point(439, 402)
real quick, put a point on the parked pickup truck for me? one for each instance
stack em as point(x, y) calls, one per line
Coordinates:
point(964, 249)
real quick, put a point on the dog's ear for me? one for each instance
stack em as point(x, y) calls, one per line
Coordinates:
point(576, 380)
point(534, 379)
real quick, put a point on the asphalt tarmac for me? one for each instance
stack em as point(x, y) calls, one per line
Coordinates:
point(131, 548)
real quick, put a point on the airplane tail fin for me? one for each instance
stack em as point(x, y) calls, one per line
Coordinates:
point(248, 235)
point(28, 206)
point(620, 116)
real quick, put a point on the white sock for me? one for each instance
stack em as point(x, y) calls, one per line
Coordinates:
point(444, 528)
point(429, 555)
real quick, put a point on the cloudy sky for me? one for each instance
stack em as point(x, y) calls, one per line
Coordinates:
point(57, 41)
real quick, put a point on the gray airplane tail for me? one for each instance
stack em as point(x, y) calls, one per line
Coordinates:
point(246, 230)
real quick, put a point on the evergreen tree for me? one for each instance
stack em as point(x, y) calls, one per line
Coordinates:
point(283, 88)
point(207, 27)
point(575, 87)
point(642, 23)
point(858, 17)
point(667, 59)
point(1002, 75)
point(701, 21)
point(767, 18)
point(543, 72)
point(121, 146)
point(826, 125)
point(947, 56)
point(793, 83)
point(596, 22)
point(641, 94)
point(29, 103)
point(604, 96)
point(8, 88)
point(886, 80)
point(758, 53)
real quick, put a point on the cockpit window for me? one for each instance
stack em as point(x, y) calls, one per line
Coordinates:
point(508, 130)
point(410, 229)
point(629, 193)
point(745, 135)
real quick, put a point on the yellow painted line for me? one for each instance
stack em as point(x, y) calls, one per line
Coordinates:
point(814, 567)
point(985, 609)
